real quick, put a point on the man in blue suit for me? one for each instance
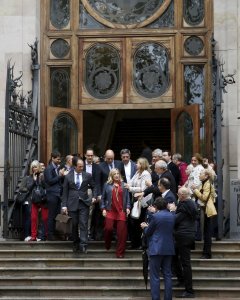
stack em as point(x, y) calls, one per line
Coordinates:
point(159, 233)
point(53, 177)
point(164, 187)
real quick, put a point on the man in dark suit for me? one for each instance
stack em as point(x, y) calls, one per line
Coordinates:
point(108, 164)
point(164, 187)
point(167, 156)
point(156, 156)
point(130, 167)
point(75, 202)
point(53, 180)
point(159, 233)
point(186, 215)
point(93, 169)
point(162, 172)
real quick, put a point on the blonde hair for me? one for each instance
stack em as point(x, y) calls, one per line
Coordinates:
point(144, 165)
point(209, 173)
point(35, 163)
point(111, 174)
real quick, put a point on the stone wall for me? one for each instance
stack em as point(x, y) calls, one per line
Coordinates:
point(226, 32)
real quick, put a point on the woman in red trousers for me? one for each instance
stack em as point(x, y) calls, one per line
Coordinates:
point(36, 181)
point(115, 205)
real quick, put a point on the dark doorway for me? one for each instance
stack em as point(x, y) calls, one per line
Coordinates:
point(118, 129)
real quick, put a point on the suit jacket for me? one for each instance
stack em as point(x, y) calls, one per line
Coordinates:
point(72, 195)
point(53, 182)
point(104, 171)
point(95, 176)
point(170, 197)
point(106, 201)
point(160, 233)
point(133, 170)
point(175, 172)
point(155, 190)
point(154, 175)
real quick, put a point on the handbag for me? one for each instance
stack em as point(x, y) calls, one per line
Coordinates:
point(38, 195)
point(63, 224)
point(209, 207)
point(22, 197)
point(136, 210)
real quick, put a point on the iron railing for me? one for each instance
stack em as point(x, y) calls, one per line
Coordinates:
point(21, 141)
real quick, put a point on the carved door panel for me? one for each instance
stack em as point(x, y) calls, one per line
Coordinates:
point(185, 130)
point(64, 131)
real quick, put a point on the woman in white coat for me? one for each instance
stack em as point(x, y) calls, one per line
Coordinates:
point(137, 185)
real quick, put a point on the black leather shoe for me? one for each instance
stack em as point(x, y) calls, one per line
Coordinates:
point(75, 248)
point(178, 284)
point(206, 256)
point(185, 295)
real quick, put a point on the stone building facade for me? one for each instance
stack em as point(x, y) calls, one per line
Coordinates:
point(21, 23)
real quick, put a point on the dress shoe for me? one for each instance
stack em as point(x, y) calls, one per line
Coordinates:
point(206, 256)
point(185, 295)
point(178, 284)
point(75, 248)
point(131, 247)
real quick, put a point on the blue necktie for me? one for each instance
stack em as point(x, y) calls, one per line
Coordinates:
point(78, 181)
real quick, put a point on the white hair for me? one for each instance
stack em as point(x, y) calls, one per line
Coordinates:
point(161, 164)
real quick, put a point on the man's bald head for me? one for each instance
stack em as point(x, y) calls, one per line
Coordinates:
point(109, 156)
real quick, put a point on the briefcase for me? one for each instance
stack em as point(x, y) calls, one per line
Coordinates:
point(63, 224)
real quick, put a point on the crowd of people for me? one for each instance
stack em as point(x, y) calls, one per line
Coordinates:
point(175, 202)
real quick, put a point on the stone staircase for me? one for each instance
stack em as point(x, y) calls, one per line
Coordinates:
point(49, 270)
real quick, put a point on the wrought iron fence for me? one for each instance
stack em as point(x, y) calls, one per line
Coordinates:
point(21, 140)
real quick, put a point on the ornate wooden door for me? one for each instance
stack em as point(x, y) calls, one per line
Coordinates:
point(124, 54)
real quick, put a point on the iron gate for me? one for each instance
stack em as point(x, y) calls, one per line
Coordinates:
point(21, 141)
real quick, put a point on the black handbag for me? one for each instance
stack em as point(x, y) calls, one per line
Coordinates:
point(38, 195)
point(63, 224)
point(22, 197)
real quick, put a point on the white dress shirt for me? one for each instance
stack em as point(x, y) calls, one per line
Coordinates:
point(75, 177)
point(127, 169)
point(88, 167)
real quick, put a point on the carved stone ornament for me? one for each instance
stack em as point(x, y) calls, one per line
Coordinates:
point(60, 48)
point(126, 13)
point(103, 71)
point(151, 76)
point(193, 11)
point(193, 45)
point(60, 13)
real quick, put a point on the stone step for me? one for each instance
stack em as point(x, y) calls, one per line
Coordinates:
point(65, 292)
point(41, 270)
point(105, 262)
point(107, 281)
point(102, 298)
point(100, 253)
point(89, 298)
point(7, 245)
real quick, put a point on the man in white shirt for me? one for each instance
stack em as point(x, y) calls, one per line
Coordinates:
point(129, 165)
point(93, 169)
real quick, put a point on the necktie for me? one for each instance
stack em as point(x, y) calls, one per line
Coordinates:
point(56, 170)
point(110, 166)
point(78, 181)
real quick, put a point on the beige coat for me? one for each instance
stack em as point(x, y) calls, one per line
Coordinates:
point(207, 198)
